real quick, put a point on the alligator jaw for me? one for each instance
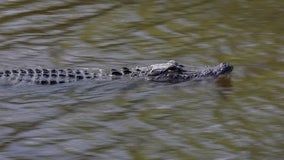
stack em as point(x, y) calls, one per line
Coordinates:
point(211, 72)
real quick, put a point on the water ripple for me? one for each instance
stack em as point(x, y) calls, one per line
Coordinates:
point(127, 119)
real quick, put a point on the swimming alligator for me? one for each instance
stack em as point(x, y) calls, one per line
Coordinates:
point(171, 71)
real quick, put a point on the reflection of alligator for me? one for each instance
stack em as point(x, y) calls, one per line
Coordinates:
point(163, 72)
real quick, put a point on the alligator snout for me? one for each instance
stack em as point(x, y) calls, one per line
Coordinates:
point(225, 68)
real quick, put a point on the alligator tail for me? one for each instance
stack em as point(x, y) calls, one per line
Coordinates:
point(46, 76)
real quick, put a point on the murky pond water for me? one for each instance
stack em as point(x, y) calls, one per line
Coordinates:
point(125, 119)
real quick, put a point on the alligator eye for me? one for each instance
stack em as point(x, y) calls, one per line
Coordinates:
point(172, 68)
point(177, 69)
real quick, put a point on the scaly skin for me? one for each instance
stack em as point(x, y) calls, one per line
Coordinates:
point(163, 72)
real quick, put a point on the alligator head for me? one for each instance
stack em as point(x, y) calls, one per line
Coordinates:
point(174, 72)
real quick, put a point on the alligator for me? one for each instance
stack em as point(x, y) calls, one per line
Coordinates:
point(170, 71)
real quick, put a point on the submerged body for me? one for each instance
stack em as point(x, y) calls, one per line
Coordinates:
point(163, 72)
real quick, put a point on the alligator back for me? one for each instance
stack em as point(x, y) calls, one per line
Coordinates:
point(162, 72)
point(48, 76)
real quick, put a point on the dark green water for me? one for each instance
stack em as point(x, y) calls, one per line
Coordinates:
point(140, 120)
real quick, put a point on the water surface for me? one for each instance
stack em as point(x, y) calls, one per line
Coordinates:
point(139, 120)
